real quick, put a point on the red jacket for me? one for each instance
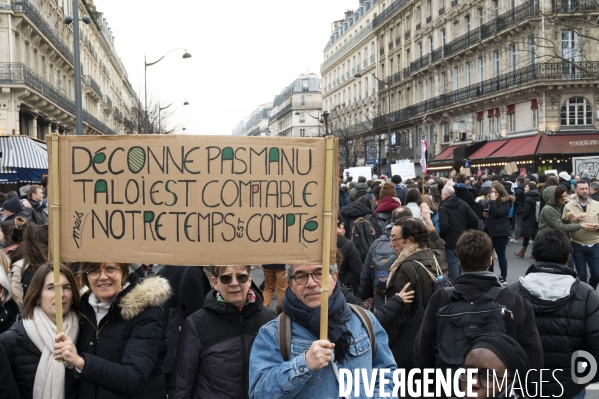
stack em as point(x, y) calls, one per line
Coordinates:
point(387, 204)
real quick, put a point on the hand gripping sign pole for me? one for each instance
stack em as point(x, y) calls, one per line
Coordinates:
point(56, 233)
point(326, 231)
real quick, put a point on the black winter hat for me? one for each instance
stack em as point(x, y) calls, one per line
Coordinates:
point(13, 205)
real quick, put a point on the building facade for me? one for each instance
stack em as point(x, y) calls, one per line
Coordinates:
point(463, 74)
point(37, 71)
point(477, 75)
point(297, 109)
point(256, 124)
point(352, 103)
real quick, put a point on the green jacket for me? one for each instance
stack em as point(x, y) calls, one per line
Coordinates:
point(353, 193)
point(551, 215)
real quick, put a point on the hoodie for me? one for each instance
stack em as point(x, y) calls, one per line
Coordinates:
point(353, 193)
point(551, 214)
point(566, 312)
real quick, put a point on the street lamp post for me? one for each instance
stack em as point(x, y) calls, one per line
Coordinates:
point(146, 65)
point(77, 59)
point(358, 76)
point(324, 118)
point(160, 109)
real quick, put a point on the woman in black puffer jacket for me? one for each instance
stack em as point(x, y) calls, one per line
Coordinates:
point(528, 213)
point(214, 346)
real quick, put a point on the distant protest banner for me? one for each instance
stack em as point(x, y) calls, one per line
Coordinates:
point(192, 200)
point(404, 168)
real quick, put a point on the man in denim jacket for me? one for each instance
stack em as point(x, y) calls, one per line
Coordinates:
point(310, 372)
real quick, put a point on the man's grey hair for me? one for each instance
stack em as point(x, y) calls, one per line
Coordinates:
point(594, 186)
point(289, 271)
point(449, 191)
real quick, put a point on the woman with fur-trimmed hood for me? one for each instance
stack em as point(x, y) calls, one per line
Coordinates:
point(121, 344)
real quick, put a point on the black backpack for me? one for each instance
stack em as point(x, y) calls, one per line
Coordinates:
point(362, 235)
point(462, 320)
point(361, 192)
point(383, 219)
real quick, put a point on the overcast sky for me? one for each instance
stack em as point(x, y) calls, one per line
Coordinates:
point(243, 52)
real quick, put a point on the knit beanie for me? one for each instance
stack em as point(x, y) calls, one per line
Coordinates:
point(388, 190)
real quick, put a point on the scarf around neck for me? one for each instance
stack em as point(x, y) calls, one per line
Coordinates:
point(49, 380)
point(407, 251)
point(339, 315)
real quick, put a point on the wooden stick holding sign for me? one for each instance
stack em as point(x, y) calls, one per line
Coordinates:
point(56, 232)
point(327, 254)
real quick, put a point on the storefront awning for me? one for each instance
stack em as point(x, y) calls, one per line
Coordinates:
point(568, 144)
point(446, 155)
point(22, 152)
point(518, 147)
point(486, 150)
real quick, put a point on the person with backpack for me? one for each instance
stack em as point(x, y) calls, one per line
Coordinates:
point(529, 216)
point(455, 217)
point(351, 265)
point(420, 262)
point(385, 204)
point(377, 265)
point(289, 360)
point(477, 292)
point(360, 189)
point(566, 311)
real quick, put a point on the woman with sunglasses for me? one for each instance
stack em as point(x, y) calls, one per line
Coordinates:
point(121, 344)
point(214, 346)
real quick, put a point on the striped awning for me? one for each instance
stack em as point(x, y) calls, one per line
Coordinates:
point(22, 152)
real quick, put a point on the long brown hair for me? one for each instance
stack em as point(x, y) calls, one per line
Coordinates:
point(35, 246)
point(34, 292)
point(503, 195)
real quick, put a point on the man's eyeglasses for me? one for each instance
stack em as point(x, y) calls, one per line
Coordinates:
point(228, 278)
point(109, 271)
point(394, 239)
point(302, 278)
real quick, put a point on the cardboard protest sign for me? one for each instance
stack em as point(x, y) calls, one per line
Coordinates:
point(466, 171)
point(511, 168)
point(192, 200)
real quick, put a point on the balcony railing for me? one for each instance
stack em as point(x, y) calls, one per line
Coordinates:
point(382, 51)
point(90, 82)
point(454, 3)
point(398, 40)
point(429, 19)
point(391, 45)
point(397, 77)
point(107, 100)
point(280, 113)
point(407, 35)
point(117, 114)
point(418, 25)
point(388, 12)
point(31, 12)
point(17, 72)
point(441, 10)
point(575, 5)
point(511, 18)
point(530, 74)
point(406, 73)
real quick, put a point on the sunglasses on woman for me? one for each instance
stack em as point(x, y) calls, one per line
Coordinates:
point(228, 278)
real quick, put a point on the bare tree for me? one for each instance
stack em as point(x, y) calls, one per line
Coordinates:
point(158, 116)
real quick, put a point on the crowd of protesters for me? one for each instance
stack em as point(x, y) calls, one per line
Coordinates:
point(412, 258)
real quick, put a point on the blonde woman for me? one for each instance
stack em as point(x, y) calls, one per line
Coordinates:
point(434, 212)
